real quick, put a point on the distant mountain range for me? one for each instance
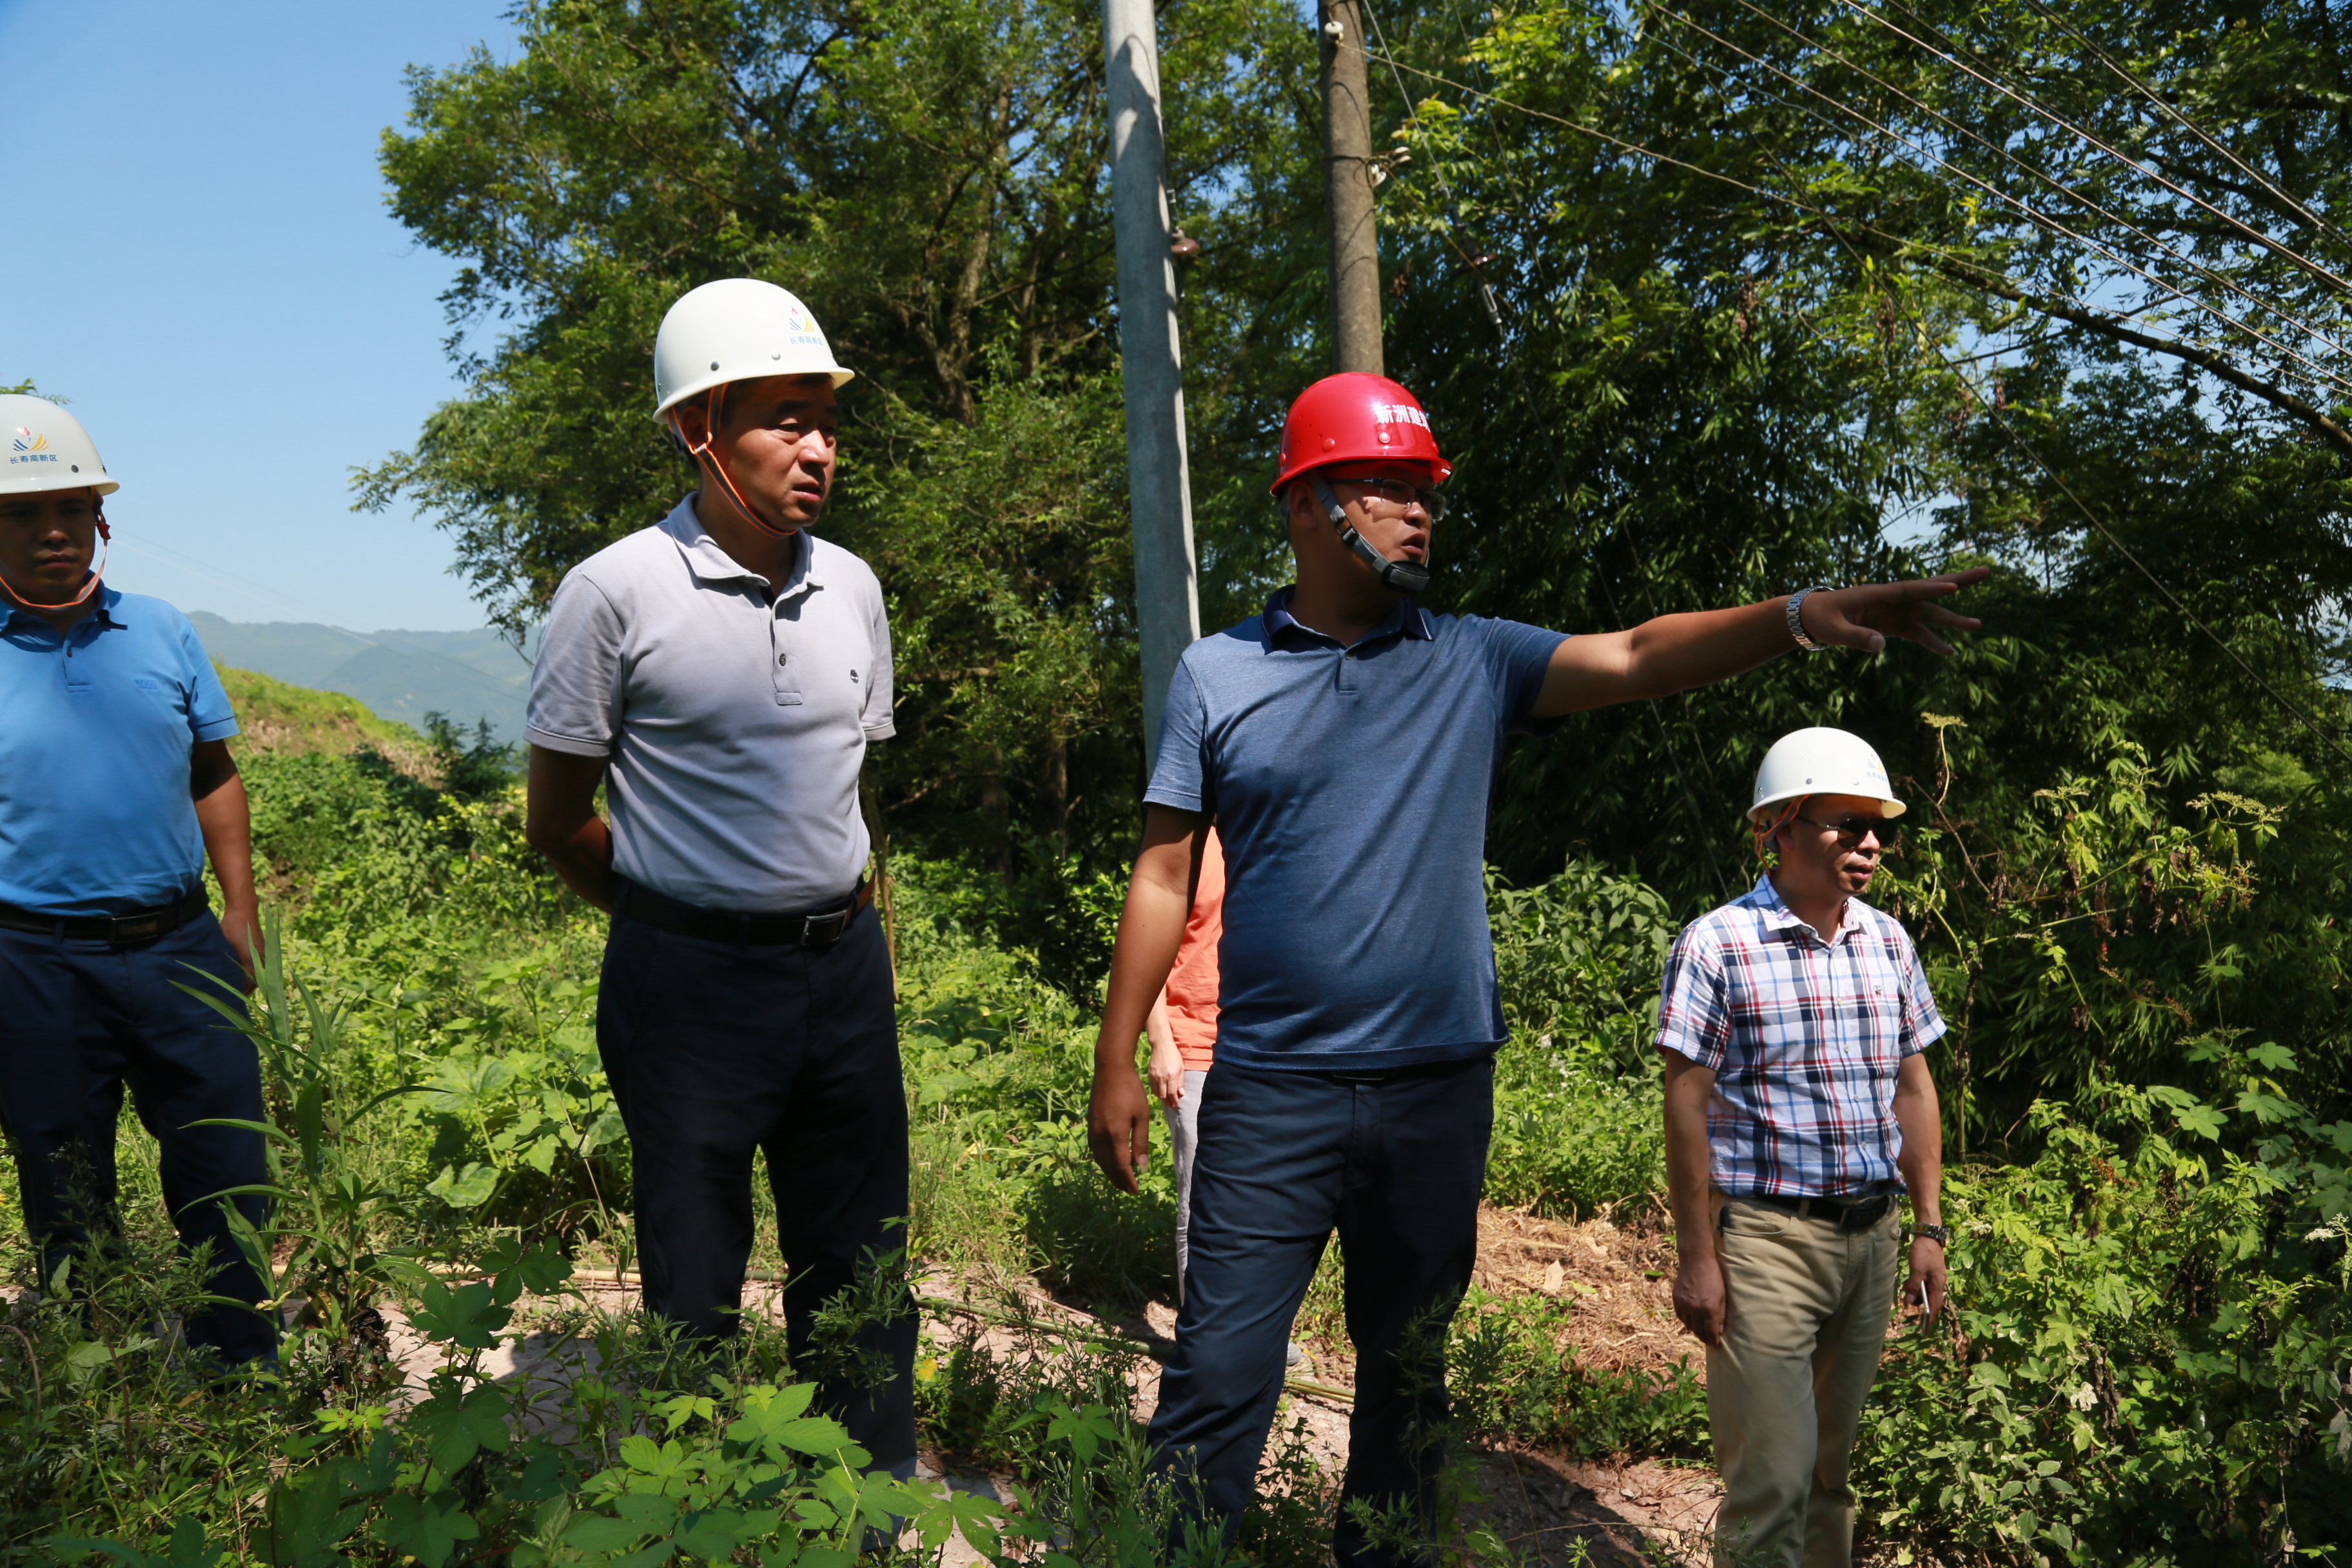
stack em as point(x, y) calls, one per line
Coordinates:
point(401, 675)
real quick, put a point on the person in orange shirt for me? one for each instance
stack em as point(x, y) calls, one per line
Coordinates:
point(1182, 1029)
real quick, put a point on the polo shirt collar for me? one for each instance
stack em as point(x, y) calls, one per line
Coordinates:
point(1406, 620)
point(1776, 915)
point(712, 564)
point(21, 618)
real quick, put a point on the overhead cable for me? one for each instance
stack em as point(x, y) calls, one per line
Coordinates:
point(2037, 107)
point(2049, 222)
point(2090, 515)
point(2067, 307)
point(2199, 267)
point(2199, 132)
point(1436, 167)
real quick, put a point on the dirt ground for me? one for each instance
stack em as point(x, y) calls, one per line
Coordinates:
point(1554, 1510)
point(1620, 1279)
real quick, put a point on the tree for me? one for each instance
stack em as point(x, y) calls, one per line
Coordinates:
point(929, 176)
point(1708, 303)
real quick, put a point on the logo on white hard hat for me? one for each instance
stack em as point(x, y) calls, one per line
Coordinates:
point(29, 447)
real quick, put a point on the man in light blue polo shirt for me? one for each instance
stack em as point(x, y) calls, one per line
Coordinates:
point(1345, 742)
point(115, 784)
point(720, 674)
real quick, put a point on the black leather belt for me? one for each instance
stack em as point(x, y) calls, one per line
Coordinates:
point(1386, 1075)
point(115, 931)
point(681, 918)
point(1850, 1214)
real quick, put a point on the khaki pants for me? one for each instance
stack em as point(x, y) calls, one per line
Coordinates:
point(1810, 1305)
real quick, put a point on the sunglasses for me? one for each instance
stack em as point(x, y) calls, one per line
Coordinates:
point(1400, 494)
point(1851, 830)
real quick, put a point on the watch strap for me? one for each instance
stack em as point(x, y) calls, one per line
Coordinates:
point(1941, 1235)
point(1796, 620)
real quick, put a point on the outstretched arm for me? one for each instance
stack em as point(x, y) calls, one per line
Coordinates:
point(1676, 653)
point(1158, 901)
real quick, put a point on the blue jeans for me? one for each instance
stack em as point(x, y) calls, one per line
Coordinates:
point(79, 1020)
point(1395, 1161)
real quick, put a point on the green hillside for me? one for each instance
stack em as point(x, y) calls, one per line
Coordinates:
point(282, 719)
point(399, 675)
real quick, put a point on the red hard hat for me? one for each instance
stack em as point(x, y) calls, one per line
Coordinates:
point(1352, 417)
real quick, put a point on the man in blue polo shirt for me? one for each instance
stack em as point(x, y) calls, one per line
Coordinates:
point(1345, 744)
point(115, 784)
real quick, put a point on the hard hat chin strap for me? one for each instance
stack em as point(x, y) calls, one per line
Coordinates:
point(96, 574)
point(1765, 831)
point(1405, 576)
point(706, 451)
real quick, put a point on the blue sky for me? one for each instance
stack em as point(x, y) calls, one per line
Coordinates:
point(198, 256)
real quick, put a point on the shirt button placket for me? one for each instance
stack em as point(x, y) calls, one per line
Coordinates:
point(782, 669)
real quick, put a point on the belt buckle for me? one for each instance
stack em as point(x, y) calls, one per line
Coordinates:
point(824, 931)
point(1863, 1215)
point(120, 932)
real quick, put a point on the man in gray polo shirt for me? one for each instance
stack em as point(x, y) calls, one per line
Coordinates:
point(1345, 744)
point(720, 674)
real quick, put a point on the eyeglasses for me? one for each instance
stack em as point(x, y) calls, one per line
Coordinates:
point(1398, 493)
point(1852, 829)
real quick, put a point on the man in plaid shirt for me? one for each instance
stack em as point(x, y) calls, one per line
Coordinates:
point(1798, 1104)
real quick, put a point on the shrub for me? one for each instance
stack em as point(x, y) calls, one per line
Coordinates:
point(1516, 1378)
point(2153, 1333)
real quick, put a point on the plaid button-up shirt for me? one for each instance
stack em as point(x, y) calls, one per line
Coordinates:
point(1805, 1038)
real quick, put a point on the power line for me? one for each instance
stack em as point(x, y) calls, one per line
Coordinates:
point(2035, 106)
point(2004, 153)
point(2032, 212)
point(2297, 207)
point(1437, 166)
point(2089, 514)
point(1992, 405)
point(2065, 306)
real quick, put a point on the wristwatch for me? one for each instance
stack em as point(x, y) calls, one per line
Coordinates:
point(1796, 620)
point(1941, 1235)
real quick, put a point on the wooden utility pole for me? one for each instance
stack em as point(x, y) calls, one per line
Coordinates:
point(1159, 489)
point(1348, 174)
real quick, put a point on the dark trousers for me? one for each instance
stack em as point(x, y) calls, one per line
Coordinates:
point(1395, 1163)
point(716, 1050)
point(78, 1020)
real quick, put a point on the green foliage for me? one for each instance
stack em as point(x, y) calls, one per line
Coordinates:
point(1516, 1378)
point(1578, 1117)
point(2149, 1273)
point(2095, 929)
point(1001, 1065)
point(2152, 1341)
point(276, 719)
point(1005, 538)
point(321, 1242)
point(928, 176)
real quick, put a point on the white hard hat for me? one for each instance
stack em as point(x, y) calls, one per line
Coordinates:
point(735, 330)
point(47, 449)
point(1821, 761)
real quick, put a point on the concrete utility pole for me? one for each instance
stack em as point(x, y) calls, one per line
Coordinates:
point(1160, 491)
point(1347, 171)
